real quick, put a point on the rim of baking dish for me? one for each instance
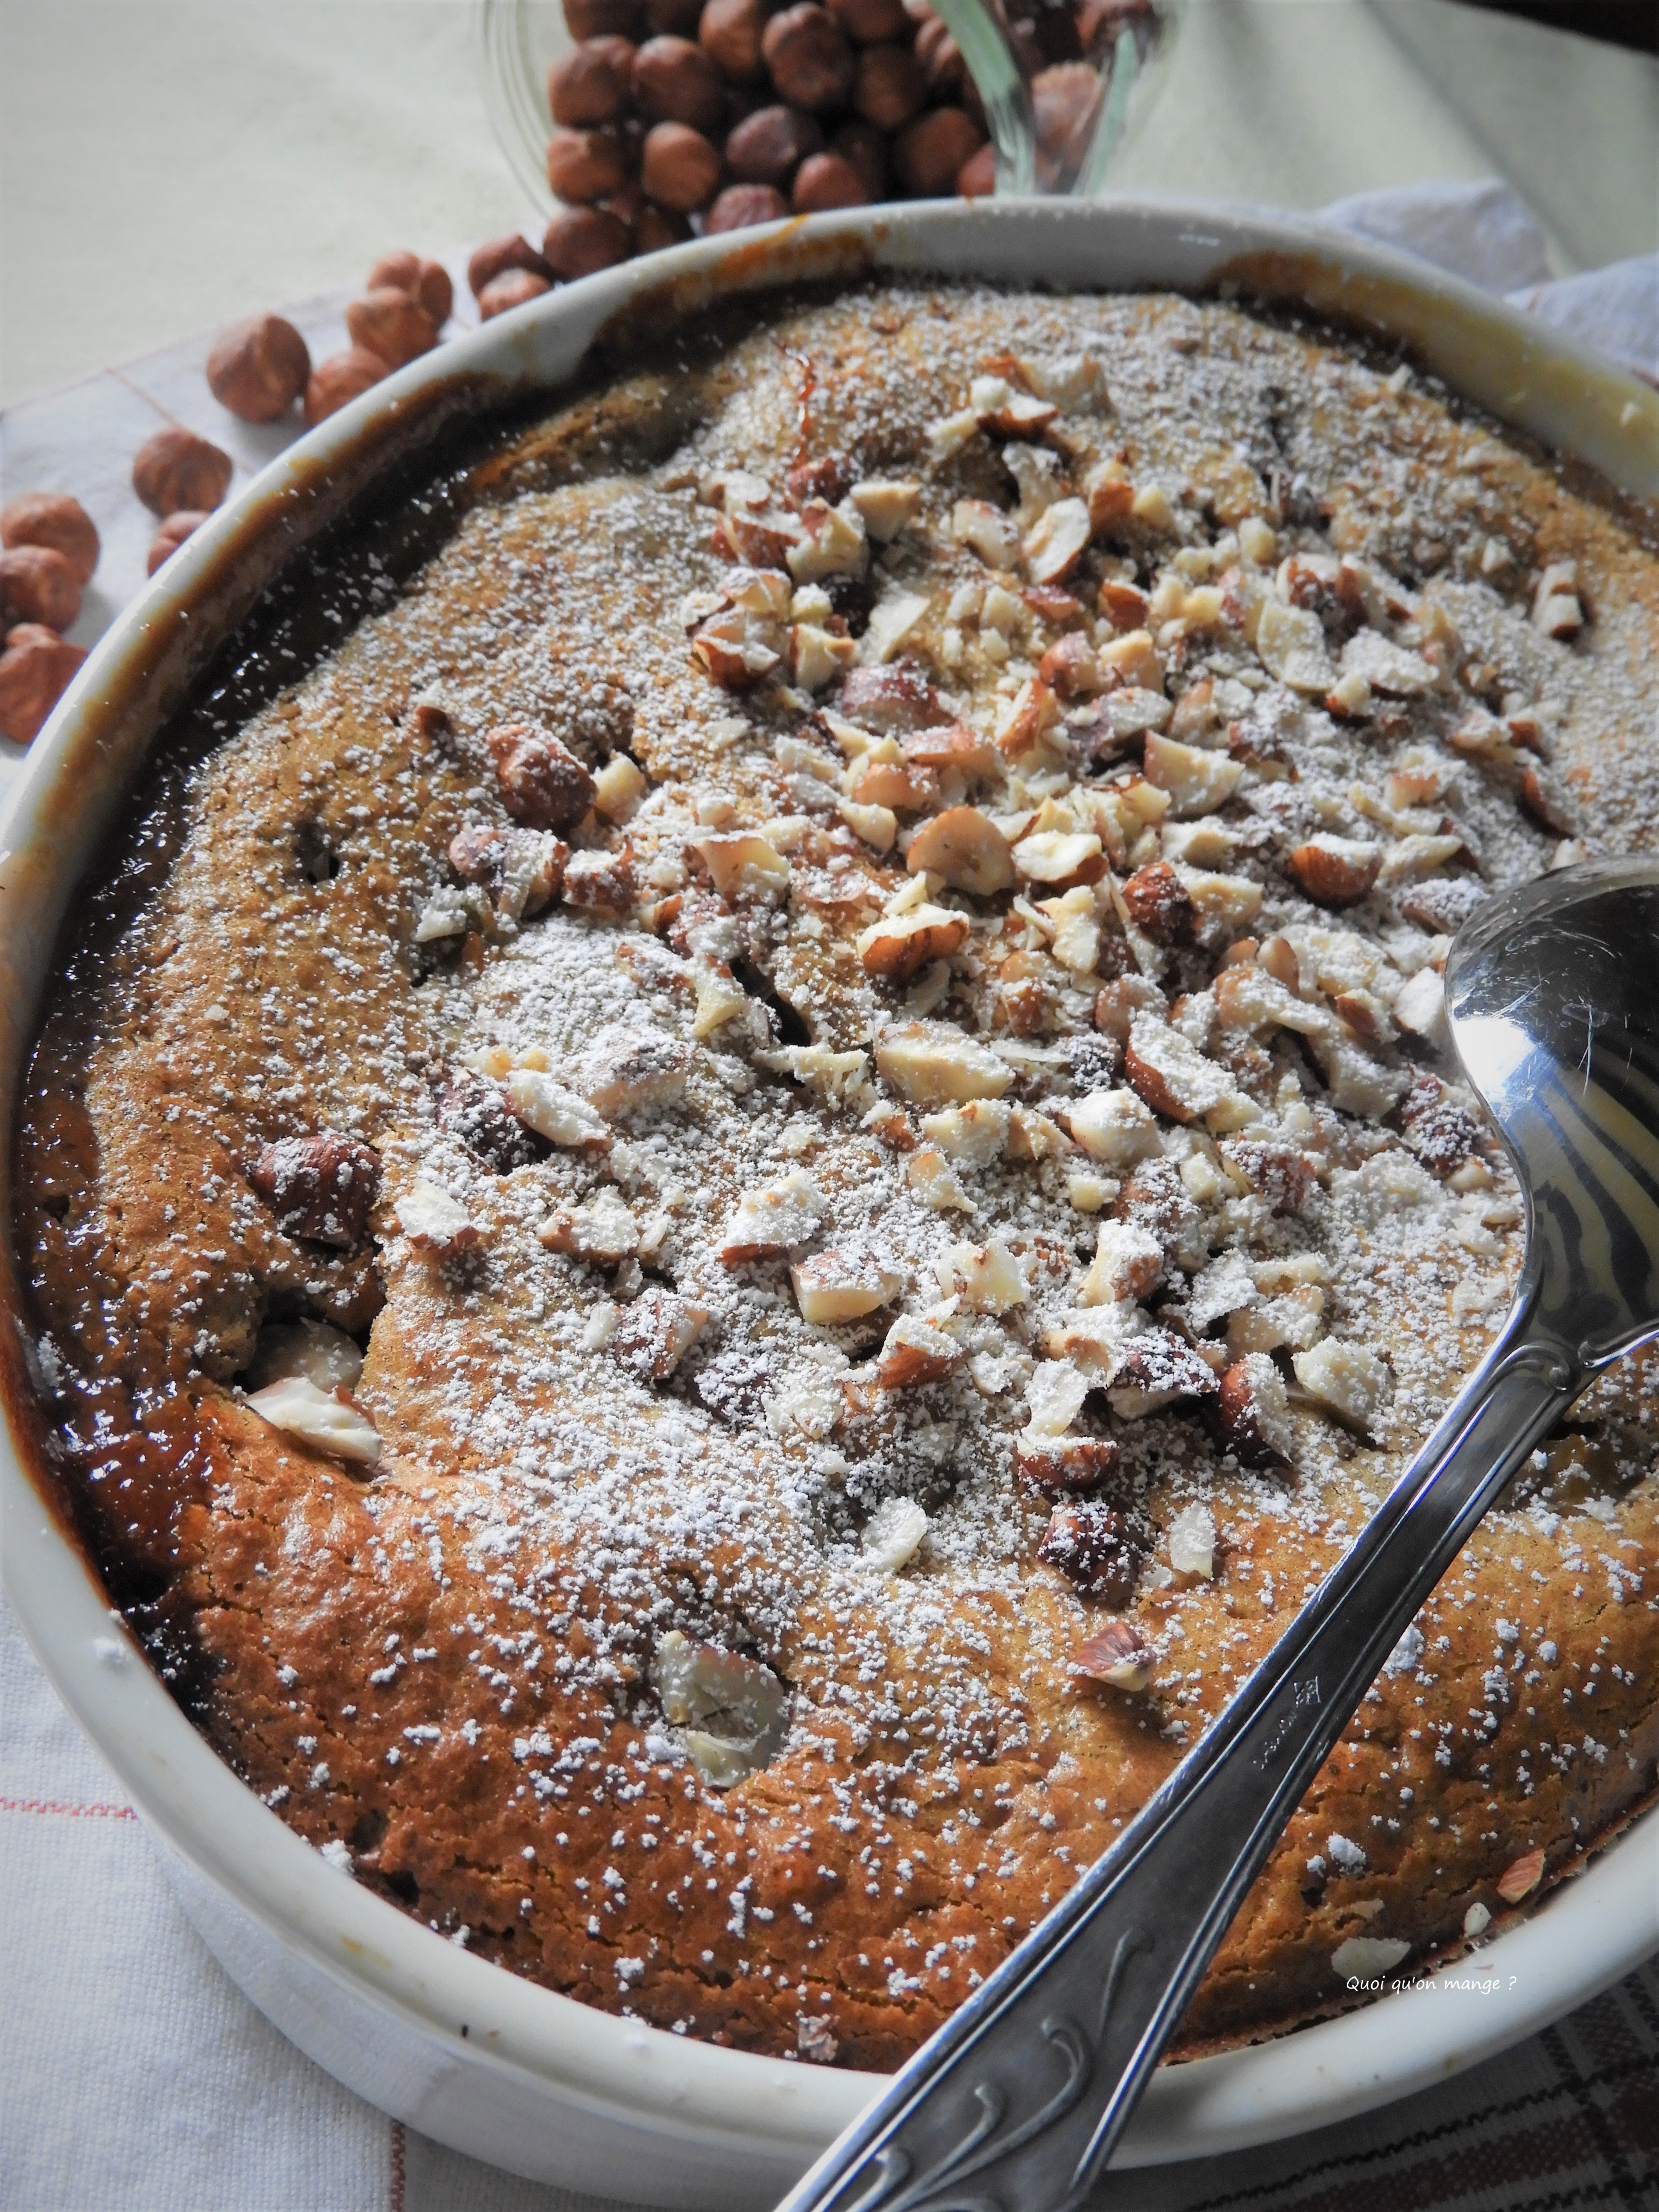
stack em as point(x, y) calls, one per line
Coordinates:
point(1588, 1932)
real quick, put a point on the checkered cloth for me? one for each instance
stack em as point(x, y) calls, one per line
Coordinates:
point(135, 2078)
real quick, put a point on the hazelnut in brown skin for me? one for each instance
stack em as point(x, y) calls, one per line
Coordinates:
point(390, 324)
point(1065, 101)
point(259, 369)
point(542, 784)
point(672, 19)
point(890, 87)
point(740, 207)
point(176, 469)
point(680, 169)
point(509, 290)
point(319, 1187)
point(930, 151)
point(872, 22)
point(497, 255)
point(54, 519)
point(1094, 1547)
point(675, 81)
point(729, 32)
point(37, 584)
point(581, 240)
point(599, 18)
point(343, 377)
point(976, 179)
point(865, 148)
point(811, 63)
point(768, 147)
point(171, 536)
point(655, 228)
point(436, 292)
point(36, 668)
point(401, 271)
point(426, 283)
point(827, 180)
point(583, 166)
point(592, 83)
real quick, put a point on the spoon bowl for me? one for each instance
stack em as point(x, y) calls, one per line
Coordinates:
point(1553, 995)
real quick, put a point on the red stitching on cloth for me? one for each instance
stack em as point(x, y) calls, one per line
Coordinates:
point(74, 1812)
point(400, 2166)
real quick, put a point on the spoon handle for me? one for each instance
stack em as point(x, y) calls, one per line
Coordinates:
point(1016, 2103)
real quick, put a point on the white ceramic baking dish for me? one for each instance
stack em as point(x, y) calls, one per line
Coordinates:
point(461, 2050)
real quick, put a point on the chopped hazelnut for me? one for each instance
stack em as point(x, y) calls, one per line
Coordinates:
point(1117, 1654)
point(653, 1335)
point(1094, 1547)
point(915, 1353)
point(319, 1187)
point(1336, 871)
point(435, 1220)
point(542, 782)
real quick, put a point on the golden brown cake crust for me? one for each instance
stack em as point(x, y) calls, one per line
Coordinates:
point(605, 1423)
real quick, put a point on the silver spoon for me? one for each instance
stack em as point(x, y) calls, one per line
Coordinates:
point(1016, 2103)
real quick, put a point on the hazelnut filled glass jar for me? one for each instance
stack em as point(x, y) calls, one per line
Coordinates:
point(646, 120)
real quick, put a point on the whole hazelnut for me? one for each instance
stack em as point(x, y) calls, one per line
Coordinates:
point(675, 81)
point(656, 227)
point(390, 324)
point(729, 32)
point(581, 239)
point(171, 536)
point(866, 149)
point(929, 152)
point(672, 19)
point(872, 22)
point(335, 382)
point(590, 84)
point(827, 180)
point(257, 368)
point(741, 206)
point(38, 584)
point(890, 87)
point(768, 147)
point(489, 261)
point(585, 165)
point(680, 168)
point(435, 292)
point(510, 289)
point(811, 62)
point(599, 18)
point(175, 468)
point(627, 203)
point(35, 672)
point(401, 271)
point(426, 283)
point(1065, 101)
point(940, 57)
point(52, 518)
point(976, 179)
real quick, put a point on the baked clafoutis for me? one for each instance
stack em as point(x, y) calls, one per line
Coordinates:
point(747, 1165)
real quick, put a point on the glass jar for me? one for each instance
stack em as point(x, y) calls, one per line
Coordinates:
point(1057, 86)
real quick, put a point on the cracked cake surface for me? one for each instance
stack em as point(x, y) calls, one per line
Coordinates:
point(723, 1219)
